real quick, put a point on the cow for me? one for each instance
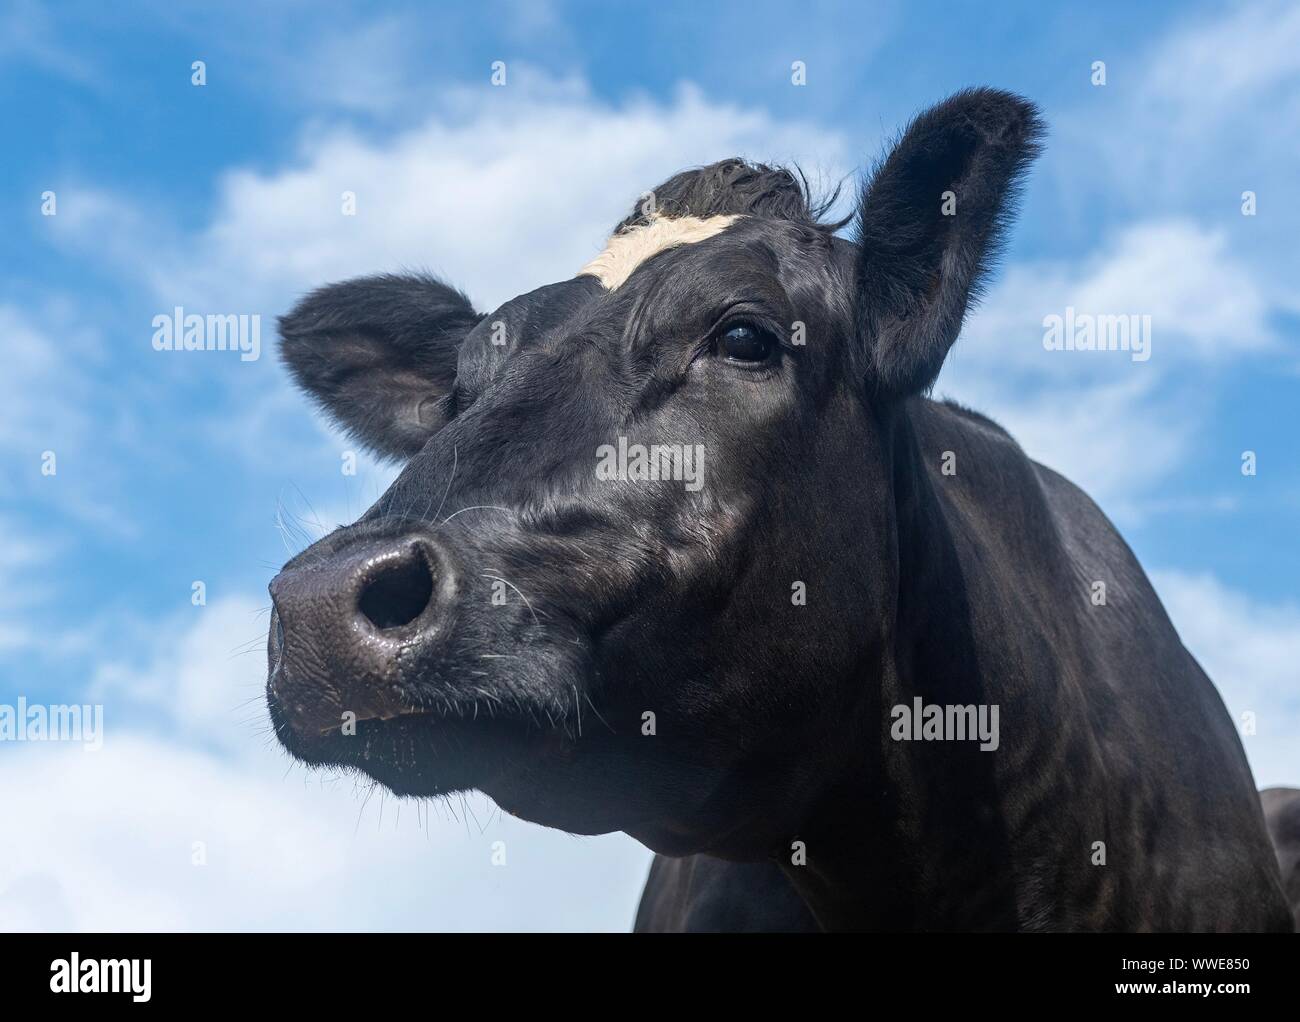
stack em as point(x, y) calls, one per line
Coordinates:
point(681, 547)
point(1282, 817)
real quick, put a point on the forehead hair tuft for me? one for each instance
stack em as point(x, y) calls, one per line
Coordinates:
point(736, 187)
point(697, 204)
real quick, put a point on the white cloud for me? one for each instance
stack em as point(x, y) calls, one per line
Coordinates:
point(44, 389)
point(1206, 112)
point(1221, 65)
point(500, 190)
point(1203, 302)
point(48, 394)
point(1217, 93)
point(206, 675)
point(23, 558)
point(104, 842)
point(1251, 651)
point(52, 401)
point(1116, 426)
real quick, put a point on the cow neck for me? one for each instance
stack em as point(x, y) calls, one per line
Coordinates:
point(902, 839)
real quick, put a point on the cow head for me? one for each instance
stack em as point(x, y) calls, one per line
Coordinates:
point(644, 542)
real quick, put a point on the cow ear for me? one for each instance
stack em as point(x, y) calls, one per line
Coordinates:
point(379, 355)
point(932, 220)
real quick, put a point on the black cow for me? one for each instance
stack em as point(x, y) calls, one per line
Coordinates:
point(1282, 816)
point(682, 549)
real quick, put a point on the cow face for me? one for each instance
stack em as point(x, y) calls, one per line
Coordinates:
point(644, 541)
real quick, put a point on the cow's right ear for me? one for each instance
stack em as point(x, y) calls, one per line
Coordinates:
point(932, 221)
point(379, 355)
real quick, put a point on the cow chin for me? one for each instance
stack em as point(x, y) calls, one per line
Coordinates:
point(536, 761)
point(590, 783)
point(544, 775)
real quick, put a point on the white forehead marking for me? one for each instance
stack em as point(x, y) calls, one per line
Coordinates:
point(627, 250)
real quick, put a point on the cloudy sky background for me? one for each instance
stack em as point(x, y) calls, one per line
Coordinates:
point(225, 199)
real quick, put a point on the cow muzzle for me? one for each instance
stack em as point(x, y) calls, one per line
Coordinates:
point(348, 625)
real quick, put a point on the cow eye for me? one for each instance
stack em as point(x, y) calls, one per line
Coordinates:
point(743, 342)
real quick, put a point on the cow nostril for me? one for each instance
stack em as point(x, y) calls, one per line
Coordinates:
point(398, 594)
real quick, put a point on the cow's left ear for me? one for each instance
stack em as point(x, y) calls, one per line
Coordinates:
point(379, 355)
point(932, 220)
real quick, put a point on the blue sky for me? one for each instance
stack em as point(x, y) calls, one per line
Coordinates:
point(225, 198)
